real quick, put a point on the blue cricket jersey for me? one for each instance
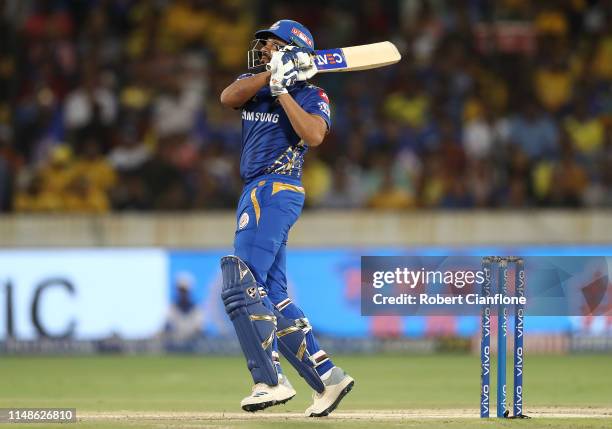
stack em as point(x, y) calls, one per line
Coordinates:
point(269, 143)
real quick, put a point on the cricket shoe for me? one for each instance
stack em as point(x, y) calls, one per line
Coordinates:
point(337, 385)
point(264, 396)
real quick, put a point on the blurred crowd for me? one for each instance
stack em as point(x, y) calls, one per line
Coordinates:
point(109, 105)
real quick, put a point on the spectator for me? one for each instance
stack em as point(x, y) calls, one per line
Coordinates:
point(569, 182)
point(58, 172)
point(481, 182)
point(130, 154)
point(389, 196)
point(409, 104)
point(176, 106)
point(32, 196)
point(93, 166)
point(185, 318)
point(586, 131)
point(83, 196)
point(317, 179)
point(91, 109)
point(534, 133)
point(164, 180)
point(553, 84)
point(478, 136)
point(345, 191)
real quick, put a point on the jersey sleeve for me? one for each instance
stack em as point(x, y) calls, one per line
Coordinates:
point(317, 103)
point(244, 75)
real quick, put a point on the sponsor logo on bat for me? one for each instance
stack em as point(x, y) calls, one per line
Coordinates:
point(329, 59)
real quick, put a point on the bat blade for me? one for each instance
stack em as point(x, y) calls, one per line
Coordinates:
point(354, 58)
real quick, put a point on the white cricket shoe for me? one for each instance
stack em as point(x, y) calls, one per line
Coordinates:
point(264, 396)
point(337, 385)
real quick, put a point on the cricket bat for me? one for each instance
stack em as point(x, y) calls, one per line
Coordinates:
point(353, 58)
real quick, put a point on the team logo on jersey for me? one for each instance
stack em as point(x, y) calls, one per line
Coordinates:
point(243, 221)
point(252, 292)
point(324, 107)
point(323, 95)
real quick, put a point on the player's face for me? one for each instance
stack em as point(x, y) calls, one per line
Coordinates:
point(261, 51)
point(271, 45)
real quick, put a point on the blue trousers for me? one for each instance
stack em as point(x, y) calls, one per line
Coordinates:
point(267, 210)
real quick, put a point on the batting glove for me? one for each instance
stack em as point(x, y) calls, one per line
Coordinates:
point(304, 61)
point(284, 72)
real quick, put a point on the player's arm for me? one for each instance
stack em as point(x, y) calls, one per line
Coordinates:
point(309, 127)
point(242, 90)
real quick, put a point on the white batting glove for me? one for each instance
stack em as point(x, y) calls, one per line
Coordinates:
point(307, 73)
point(305, 62)
point(284, 72)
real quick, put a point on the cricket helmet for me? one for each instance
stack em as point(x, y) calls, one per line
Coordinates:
point(289, 31)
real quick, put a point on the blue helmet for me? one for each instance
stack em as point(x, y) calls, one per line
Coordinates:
point(289, 31)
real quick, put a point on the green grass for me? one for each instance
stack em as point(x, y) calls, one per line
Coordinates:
point(346, 424)
point(195, 384)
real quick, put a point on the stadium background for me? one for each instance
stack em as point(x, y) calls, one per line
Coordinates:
point(118, 173)
point(113, 105)
point(118, 177)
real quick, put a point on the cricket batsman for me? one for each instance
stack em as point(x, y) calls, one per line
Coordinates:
point(282, 115)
